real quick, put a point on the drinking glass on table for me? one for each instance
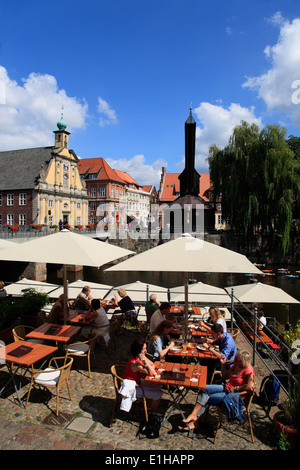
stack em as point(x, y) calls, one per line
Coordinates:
point(162, 361)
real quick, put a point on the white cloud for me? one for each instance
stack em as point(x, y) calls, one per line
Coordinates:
point(140, 171)
point(216, 126)
point(275, 86)
point(30, 109)
point(108, 115)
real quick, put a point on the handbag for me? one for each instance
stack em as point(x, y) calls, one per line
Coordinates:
point(150, 428)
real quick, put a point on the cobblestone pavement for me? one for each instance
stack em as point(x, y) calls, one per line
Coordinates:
point(83, 422)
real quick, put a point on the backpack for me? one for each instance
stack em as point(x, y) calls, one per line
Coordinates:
point(269, 391)
point(150, 428)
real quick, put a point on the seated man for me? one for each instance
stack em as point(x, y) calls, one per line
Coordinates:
point(83, 300)
point(227, 349)
point(226, 343)
point(101, 323)
point(159, 315)
point(151, 306)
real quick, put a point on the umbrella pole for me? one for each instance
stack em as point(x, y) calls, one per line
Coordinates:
point(65, 293)
point(186, 294)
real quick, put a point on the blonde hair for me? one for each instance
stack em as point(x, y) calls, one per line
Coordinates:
point(245, 357)
point(215, 313)
point(122, 292)
point(2, 284)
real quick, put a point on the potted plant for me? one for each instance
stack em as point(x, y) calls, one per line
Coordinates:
point(286, 420)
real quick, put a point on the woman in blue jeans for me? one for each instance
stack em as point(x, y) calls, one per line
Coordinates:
point(241, 378)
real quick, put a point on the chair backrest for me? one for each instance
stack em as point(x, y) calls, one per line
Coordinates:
point(248, 397)
point(64, 370)
point(233, 332)
point(19, 332)
point(117, 372)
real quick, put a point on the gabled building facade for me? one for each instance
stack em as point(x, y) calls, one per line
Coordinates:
point(42, 186)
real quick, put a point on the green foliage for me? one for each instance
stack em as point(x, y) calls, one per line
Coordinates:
point(259, 179)
point(30, 303)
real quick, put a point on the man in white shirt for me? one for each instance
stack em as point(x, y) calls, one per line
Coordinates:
point(159, 315)
point(101, 323)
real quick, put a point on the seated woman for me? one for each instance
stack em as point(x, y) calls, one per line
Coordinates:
point(159, 342)
point(241, 378)
point(126, 305)
point(137, 368)
point(216, 316)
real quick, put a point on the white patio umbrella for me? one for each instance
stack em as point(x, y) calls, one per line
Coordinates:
point(16, 288)
point(139, 291)
point(188, 254)
point(66, 248)
point(261, 293)
point(74, 288)
point(201, 293)
point(5, 243)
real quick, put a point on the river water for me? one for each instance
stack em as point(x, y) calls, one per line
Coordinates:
point(291, 285)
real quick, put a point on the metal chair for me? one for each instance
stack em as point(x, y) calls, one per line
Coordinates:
point(52, 378)
point(83, 349)
point(248, 396)
point(117, 372)
point(19, 334)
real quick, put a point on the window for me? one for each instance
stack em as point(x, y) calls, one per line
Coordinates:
point(66, 179)
point(0, 199)
point(220, 219)
point(10, 219)
point(93, 206)
point(22, 219)
point(92, 176)
point(112, 192)
point(102, 191)
point(22, 199)
point(117, 192)
point(50, 220)
point(51, 203)
point(10, 199)
point(93, 192)
point(78, 221)
point(78, 206)
point(0, 219)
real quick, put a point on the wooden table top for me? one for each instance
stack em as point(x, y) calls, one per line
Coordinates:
point(179, 374)
point(179, 309)
point(37, 352)
point(190, 353)
point(63, 334)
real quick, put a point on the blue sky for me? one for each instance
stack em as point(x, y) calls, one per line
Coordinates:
point(127, 71)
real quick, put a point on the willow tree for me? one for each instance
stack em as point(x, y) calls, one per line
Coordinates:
point(258, 178)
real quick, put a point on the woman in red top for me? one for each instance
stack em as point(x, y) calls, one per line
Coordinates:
point(240, 378)
point(137, 368)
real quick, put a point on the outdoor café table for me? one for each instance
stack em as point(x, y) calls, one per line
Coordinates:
point(179, 379)
point(23, 354)
point(78, 318)
point(52, 332)
point(191, 355)
point(179, 310)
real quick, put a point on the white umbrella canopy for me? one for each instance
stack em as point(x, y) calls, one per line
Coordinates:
point(74, 288)
point(261, 293)
point(6, 243)
point(66, 248)
point(201, 293)
point(188, 254)
point(140, 291)
point(16, 288)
